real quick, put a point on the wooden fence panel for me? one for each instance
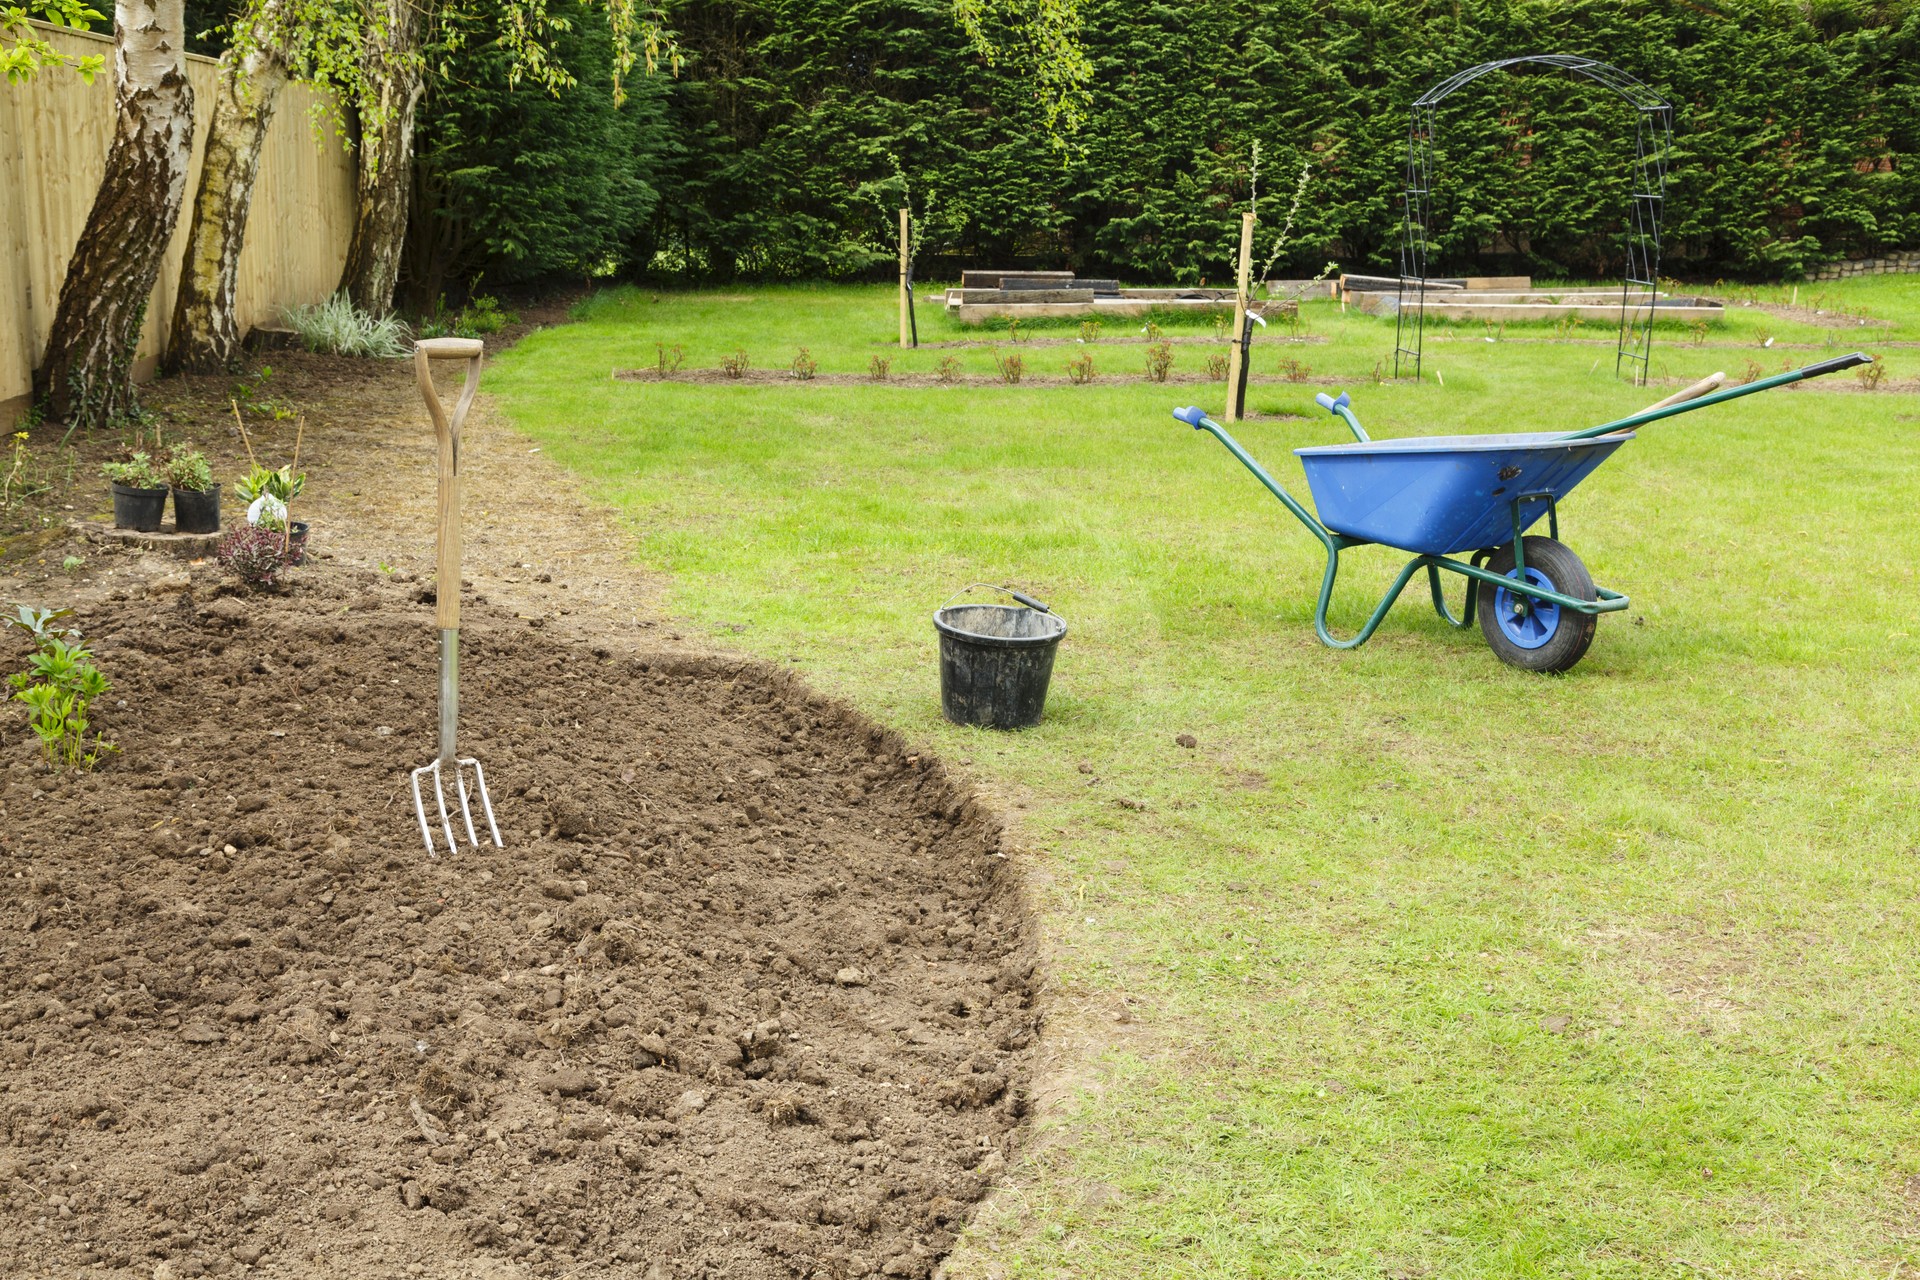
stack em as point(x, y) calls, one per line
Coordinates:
point(54, 132)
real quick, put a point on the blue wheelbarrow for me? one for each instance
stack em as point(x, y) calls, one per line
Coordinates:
point(1443, 496)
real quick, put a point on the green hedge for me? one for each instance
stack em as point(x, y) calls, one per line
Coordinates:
point(798, 125)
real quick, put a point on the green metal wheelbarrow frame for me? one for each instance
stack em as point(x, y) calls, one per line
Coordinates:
point(1335, 543)
point(1474, 569)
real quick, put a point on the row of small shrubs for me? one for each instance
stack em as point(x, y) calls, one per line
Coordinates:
point(1011, 366)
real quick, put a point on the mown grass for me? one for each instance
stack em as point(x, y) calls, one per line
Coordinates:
point(1417, 965)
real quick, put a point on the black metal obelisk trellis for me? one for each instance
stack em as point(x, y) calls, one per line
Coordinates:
point(1639, 284)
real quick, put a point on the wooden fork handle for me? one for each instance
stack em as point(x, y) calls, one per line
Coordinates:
point(446, 429)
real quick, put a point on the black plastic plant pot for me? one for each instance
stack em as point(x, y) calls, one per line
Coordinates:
point(140, 509)
point(196, 510)
point(995, 663)
point(297, 542)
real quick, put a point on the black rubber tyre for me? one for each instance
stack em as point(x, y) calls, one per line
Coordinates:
point(1566, 640)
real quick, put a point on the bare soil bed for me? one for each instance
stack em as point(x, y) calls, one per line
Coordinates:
point(749, 992)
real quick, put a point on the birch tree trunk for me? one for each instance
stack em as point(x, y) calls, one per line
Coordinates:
point(205, 335)
point(393, 84)
point(86, 377)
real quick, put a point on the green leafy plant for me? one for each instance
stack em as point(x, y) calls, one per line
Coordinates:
point(1697, 329)
point(1870, 376)
point(947, 370)
point(338, 327)
point(58, 688)
point(252, 394)
point(38, 623)
point(1080, 369)
point(72, 565)
point(187, 469)
point(24, 53)
point(19, 484)
point(1012, 367)
point(481, 316)
point(804, 366)
point(1090, 331)
point(1013, 330)
point(1159, 361)
point(735, 365)
point(268, 492)
point(257, 555)
point(880, 368)
point(136, 472)
point(669, 359)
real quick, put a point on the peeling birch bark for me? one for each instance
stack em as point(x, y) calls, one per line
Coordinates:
point(205, 335)
point(384, 178)
point(86, 377)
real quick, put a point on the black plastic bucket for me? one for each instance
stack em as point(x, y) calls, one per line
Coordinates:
point(996, 661)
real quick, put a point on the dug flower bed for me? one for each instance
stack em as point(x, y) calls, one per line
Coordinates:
point(749, 992)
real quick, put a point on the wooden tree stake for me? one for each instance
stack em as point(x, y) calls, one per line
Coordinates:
point(1237, 353)
point(906, 230)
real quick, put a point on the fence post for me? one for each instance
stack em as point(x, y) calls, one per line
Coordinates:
point(1237, 353)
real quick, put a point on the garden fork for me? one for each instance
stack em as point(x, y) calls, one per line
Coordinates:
point(447, 595)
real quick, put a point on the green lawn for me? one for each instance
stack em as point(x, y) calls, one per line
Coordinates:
point(1418, 965)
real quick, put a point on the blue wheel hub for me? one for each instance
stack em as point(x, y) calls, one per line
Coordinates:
point(1527, 622)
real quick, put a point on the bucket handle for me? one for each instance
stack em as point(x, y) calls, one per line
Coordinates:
point(1026, 600)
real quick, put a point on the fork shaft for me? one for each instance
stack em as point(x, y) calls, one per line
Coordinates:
point(449, 692)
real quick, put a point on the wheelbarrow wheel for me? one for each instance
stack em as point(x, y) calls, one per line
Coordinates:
point(1531, 634)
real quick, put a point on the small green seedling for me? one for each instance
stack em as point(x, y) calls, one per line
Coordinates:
point(58, 687)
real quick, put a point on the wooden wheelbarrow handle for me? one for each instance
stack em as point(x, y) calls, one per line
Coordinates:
point(446, 429)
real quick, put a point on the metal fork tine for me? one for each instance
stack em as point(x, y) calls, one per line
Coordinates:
point(420, 809)
point(440, 798)
point(466, 813)
point(486, 803)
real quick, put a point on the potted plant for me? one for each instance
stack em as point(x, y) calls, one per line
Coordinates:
point(269, 493)
point(196, 496)
point(139, 493)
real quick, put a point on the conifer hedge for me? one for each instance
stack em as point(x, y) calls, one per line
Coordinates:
point(798, 126)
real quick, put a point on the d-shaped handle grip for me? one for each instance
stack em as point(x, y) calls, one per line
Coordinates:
point(446, 429)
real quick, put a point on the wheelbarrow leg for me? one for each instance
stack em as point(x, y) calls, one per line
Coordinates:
point(1379, 611)
point(1465, 620)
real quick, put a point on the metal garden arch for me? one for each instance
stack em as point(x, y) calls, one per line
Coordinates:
point(1652, 141)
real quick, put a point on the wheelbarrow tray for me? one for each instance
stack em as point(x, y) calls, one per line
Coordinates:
point(1439, 495)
